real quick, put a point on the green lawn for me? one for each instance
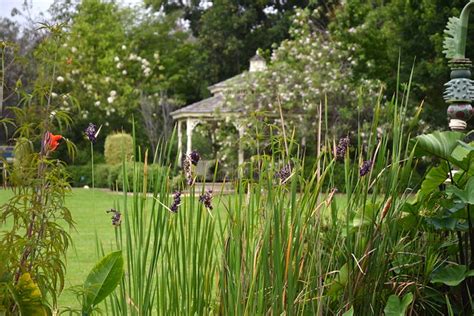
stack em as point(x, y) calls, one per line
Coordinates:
point(88, 209)
point(89, 213)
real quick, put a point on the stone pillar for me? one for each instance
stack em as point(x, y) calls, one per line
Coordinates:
point(180, 141)
point(190, 125)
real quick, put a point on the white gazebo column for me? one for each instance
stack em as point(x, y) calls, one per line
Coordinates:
point(180, 141)
point(190, 125)
point(240, 126)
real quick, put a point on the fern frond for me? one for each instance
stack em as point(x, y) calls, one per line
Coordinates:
point(452, 39)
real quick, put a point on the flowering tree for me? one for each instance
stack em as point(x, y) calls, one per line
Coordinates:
point(123, 64)
point(101, 70)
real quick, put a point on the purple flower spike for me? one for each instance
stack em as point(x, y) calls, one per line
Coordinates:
point(365, 168)
point(176, 202)
point(284, 173)
point(116, 217)
point(206, 199)
point(91, 132)
point(188, 172)
point(194, 155)
point(342, 147)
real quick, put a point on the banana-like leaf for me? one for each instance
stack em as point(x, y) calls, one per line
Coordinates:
point(451, 275)
point(467, 194)
point(441, 145)
point(433, 179)
point(102, 280)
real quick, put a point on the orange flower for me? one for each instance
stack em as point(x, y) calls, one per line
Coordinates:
point(52, 141)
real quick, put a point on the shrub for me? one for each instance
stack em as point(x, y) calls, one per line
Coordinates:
point(79, 176)
point(117, 147)
point(112, 178)
point(101, 175)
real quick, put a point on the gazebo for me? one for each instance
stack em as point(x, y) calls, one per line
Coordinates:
point(214, 108)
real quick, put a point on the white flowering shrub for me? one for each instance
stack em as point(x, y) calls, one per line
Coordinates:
point(305, 71)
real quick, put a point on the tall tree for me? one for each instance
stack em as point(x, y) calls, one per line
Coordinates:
point(230, 31)
point(384, 30)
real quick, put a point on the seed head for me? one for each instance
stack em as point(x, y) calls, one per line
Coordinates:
point(206, 199)
point(188, 172)
point(176, 202)
point(342, 147)
point(194, 156)
point(116, 217)
point(365, 168)
point(284, 173)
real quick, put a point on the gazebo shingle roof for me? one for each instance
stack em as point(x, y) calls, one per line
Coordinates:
point(204, 108)
point(207, 108)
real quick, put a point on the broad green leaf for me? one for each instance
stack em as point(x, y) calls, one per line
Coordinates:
point(365, 216)
point(102, 280)
point(462, 151)
point(433, 179)
point(466, 195)
point(397, 307)
point(408, 222)
point(446, 223)
point(350, 312)
point(450, 275)
point(339, 281)
point(439, 144)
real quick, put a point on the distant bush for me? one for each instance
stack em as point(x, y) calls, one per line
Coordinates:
point(117, 147)
point(80, 176)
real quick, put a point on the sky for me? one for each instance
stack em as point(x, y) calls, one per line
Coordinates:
point(38, 6)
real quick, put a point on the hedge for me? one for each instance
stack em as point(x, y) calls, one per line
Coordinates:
point(110, 176)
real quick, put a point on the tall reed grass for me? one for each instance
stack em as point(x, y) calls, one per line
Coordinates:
point(279, 247)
